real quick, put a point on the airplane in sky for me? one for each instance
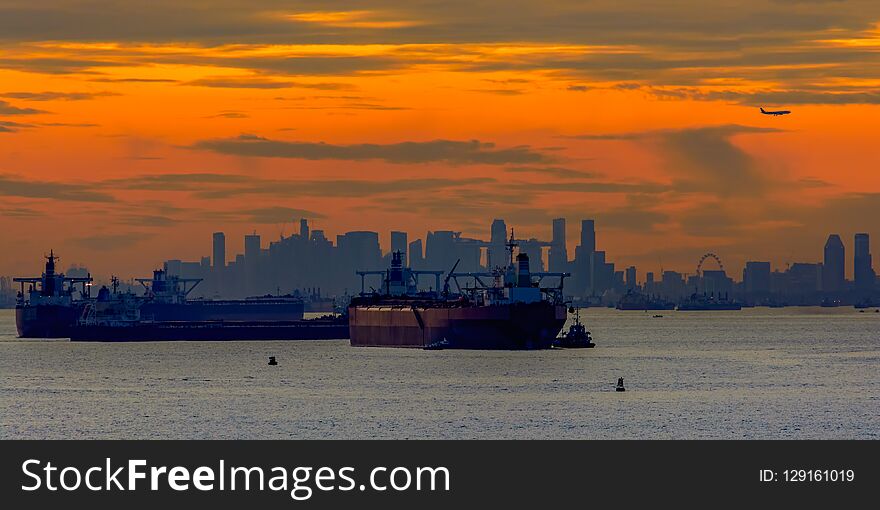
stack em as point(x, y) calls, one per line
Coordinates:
point(779, 112)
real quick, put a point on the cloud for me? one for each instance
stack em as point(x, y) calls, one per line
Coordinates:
point(338, 188)
point(704, 158)
point(176, 182)
point(145, 220)
point(134, 80)
point(229, 115)
point(248, 82)
point(20, 213)
point(577, 88)
point(349, 106)
point(8, 109)
point(7, 126)
point(58, 65)
point(804, 96)
point(276, 214)
point(500, 92)
point(445, 151)
point(107, 242)
point(57, 96)
point(15, 186)
point(554, 171)
point(70, 124)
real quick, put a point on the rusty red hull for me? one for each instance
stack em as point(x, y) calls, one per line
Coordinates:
point(514, 326)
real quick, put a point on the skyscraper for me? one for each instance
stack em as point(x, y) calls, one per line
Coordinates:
point(496, 254)
point(219, 250)
point(252, 263)
point(416, 257)
point(558, 255)
point(863, 270)
point(588, 235)
point(398, 243)
point(834, 267)
point(756, 277)
point(582, 269)
point(631, 278)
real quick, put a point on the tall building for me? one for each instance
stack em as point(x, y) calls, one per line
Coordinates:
point(588, 235)
point(582, 269)
point(252, 263)
point(398, 243)
point(304, 228)
point(631, 282)
point(863, 270)
point(497, 253)
point(219, 250)
point(834, 266)
point(558, 255)
point(756, 277)
point(416, 257)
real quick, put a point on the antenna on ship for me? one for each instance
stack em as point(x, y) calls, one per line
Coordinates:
point(511, 244)
point(448, 276)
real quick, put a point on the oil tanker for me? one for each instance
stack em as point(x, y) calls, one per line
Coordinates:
point(118, 317)
point(48, 306)
point(511, 311)
point(165, 299)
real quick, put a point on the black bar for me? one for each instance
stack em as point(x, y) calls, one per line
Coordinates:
point(485, 474)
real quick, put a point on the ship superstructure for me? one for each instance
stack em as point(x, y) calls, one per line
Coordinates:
point(47, 305)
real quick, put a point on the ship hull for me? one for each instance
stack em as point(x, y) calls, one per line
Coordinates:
point(708, 308)
point(230, 310)
point(644, 307)
point(312, 329)
point(45, 321)
point(514, 327)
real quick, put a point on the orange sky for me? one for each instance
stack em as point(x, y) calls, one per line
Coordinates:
point(129, 133)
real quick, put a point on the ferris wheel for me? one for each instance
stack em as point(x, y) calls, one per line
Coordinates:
point(705, 256)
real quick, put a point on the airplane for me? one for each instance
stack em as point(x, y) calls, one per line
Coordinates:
point(780, 112)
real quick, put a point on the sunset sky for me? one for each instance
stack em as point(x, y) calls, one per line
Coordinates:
point(130, 131)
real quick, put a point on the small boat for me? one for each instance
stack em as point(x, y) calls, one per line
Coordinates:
point(272, 360)
point(577, 336)
point(619, 386)
point(658, 316)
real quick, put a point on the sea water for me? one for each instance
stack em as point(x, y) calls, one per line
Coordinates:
point(753, 374)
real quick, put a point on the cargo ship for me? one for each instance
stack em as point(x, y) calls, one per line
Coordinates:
point(634, 300)
point(703, 302)
point(50, 304)
point(320, 328)
point(166, 299)
point(118, 317)
point(512, 311)
point(53, 303)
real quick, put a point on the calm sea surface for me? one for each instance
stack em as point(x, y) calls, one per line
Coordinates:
point(758, 373)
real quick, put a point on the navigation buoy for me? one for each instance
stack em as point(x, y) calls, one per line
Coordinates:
point(272, 360)
point(620, 384)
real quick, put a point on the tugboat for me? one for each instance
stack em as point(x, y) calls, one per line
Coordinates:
point(51, 303)
point(577, 336)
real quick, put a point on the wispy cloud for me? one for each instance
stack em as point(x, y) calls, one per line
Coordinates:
point(11, 185)
point(8, 109)
point(57, 96)
point(445, 151)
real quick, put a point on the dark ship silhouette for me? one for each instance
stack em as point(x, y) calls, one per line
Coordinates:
point(577, 336)
point(504, 309)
